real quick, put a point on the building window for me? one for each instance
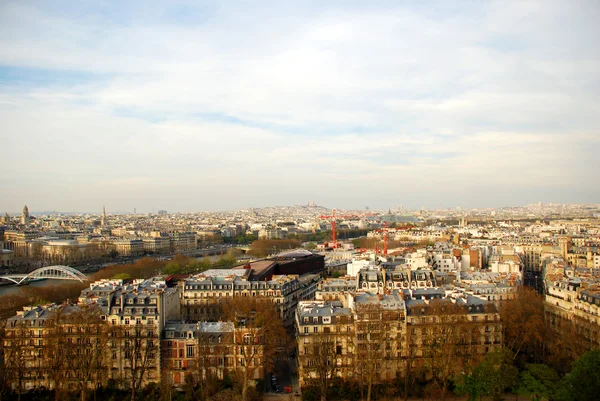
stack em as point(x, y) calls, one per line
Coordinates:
point(190, 351)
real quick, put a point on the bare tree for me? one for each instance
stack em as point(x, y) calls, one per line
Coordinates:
point(370, 345)
point(4, 374)
point(523, 323)
point(211, 352)
point(87, 337)
point(140, 352)
point(259, 335)
point(16, 355)
point(322, 359)
point(56, 360)
point(447, 335)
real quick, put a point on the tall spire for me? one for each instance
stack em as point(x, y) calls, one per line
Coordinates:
point(25, 215)
point(103, 221)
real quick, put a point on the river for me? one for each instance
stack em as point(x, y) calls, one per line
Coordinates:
point(15, 289)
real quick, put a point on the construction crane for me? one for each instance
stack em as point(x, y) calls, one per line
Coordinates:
point(333, 218)
point(386, 230)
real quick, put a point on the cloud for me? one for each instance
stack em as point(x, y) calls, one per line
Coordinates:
point(295, 101)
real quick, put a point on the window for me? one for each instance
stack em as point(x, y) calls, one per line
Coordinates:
point(190, 351)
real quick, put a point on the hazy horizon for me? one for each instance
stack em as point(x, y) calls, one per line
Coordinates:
point(211, 106)
point(155, 211)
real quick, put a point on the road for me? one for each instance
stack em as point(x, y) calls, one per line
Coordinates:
point(285, 372)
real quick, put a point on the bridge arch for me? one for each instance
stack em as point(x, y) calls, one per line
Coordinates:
point(16, 280)
point(48, 272)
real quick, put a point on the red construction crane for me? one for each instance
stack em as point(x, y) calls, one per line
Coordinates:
point(385, 230)
point(333, 218)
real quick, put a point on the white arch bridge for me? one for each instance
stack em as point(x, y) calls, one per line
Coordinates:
point(48, 272)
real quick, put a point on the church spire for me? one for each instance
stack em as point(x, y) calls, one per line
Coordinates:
point(25, 216)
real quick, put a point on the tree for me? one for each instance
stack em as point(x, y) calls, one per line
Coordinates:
point(140, 352)
point(540, 381)
point(566, 342)
point(86, 346)
point(15, 356)
point(370, 345)
point(172, 268)
point(37, 252)
point(524, 327)
point(323, 359)
point(56, 361)
point(259, 335)
point(263, 247)
point(471, 384)
point(583, 383)
point(4, 374)
point(211, 352)
point(497, 373)
point(448, 334)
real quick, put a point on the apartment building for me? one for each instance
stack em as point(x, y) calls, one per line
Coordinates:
point(204, 350)
point(325, 338)
point(380, 336)
point(197, 350)
point(156, 244)
point(203, 294)
point(55, 345)
point(129, 247)
point(136, 314)
point(183, 241)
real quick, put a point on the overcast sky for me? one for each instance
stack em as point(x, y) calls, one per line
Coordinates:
point(192, 106)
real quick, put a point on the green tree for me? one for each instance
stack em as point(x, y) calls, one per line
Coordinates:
point(497, 373)
point(122, 276)
point(310, 246)
point(172, 268)
point(472, 385)
point(583, 383)
point(539, 381)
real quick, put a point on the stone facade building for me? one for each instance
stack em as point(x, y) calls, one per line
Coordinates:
point(384, 335)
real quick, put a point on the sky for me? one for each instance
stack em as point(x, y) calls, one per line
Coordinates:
point(200, 105)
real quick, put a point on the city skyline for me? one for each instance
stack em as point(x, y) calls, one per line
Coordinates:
point(221, 106)
point(395, 209)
